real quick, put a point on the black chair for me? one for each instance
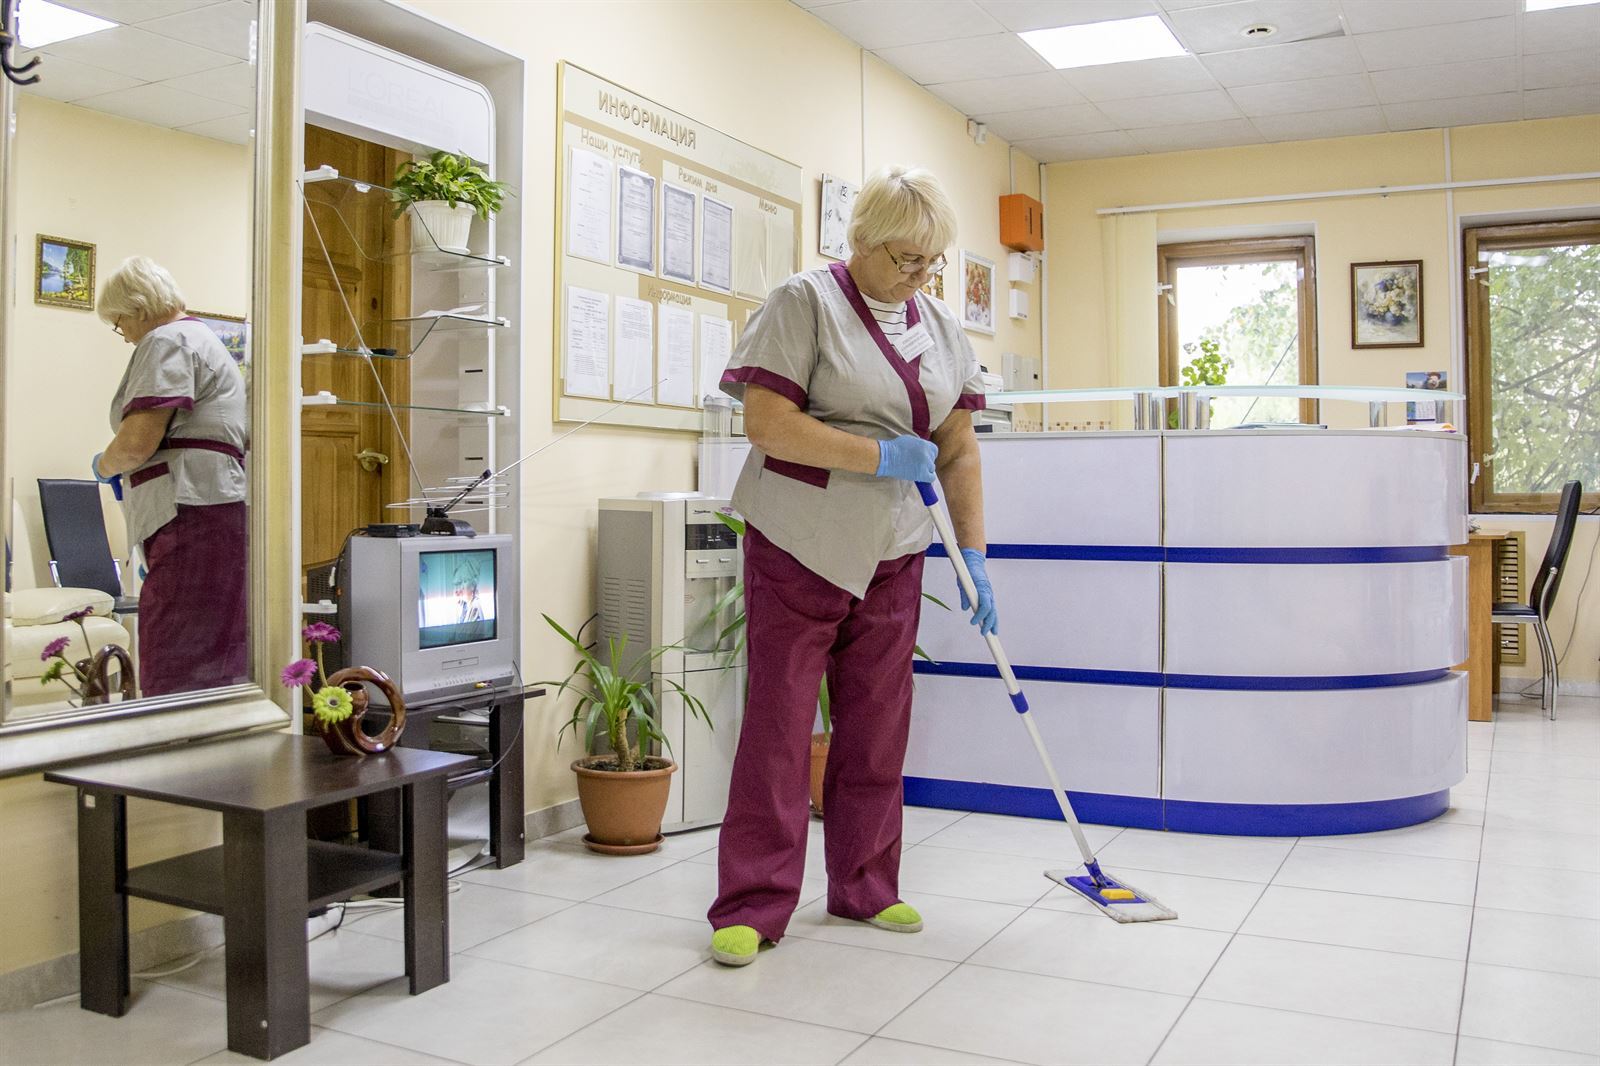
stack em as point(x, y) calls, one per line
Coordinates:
point(80, 553)
point(1542, 592)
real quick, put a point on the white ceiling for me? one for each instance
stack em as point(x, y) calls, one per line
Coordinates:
point(182, 64)
point(1334, 68)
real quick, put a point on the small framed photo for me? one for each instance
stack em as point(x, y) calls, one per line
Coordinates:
point(1424, 409)
point(64, 273)
point(1386, 304)
point(232, 330)
point(977, 293)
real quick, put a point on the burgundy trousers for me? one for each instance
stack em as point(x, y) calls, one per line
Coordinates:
point(193, 625)
point(798, 626)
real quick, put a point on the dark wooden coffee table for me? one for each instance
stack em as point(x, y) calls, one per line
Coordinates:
point(265, 877)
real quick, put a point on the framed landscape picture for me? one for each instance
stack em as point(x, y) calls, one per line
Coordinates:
point(977, 293)
point(64, 273)
point(1386, 304)
point(232, 330)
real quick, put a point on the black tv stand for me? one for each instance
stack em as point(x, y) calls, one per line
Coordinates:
point(502, 714)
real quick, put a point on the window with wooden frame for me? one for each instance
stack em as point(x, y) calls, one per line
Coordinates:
point(1533, 363)
point(1250, 305)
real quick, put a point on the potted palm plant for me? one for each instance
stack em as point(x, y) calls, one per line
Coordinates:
point(623, 791)
point(443, 192)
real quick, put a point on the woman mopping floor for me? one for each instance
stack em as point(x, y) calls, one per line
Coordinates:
point(855, 387)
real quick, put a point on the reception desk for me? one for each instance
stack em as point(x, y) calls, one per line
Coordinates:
point(1243, 632)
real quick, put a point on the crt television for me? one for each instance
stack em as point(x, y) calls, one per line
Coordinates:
point(437, 614)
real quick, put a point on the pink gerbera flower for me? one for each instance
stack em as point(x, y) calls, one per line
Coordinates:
point(320, 633)
point(78, 616)
point(299, 673)
point(54, 648)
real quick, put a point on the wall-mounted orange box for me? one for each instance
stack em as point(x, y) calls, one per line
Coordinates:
point(1022, 223)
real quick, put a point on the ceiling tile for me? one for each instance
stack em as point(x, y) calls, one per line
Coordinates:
point(1553, 103)
point(1373, 16)
point(221, 27)
point(1477, 77)
point(1184, 5)
point(1218, 29)
point(159, 106)
point(1149, 77)
point(1017, 126)
point(234, 84)
point(1086, 146)
point(235, 128)
point(1426, 45)
point(1019, 93)
point(1197, 135)
point(1285, 62)
point(128, 11)
point(141, 55)
point(1313, 94)
point(873, 24)
point(62, 79)
point(992, 56)
point(813, 3)
point(1019, 15)
point(1345, 122)
point(1550, 70)
point(1461, 111)
point(1209, 106)
point(1561, 29)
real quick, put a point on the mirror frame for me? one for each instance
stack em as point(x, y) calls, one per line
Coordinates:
point(36, 743)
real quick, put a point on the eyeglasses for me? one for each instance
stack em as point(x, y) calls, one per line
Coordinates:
point(116, 327)
point(915, 264)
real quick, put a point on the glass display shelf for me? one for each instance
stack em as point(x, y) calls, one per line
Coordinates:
point(328, 399)
point(1356, 393)
point(326, 188)
point(418, 328)
point(329, 348)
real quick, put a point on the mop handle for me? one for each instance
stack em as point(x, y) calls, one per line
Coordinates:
point(947, 534)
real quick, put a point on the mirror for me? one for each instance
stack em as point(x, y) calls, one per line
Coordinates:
point(135, 145)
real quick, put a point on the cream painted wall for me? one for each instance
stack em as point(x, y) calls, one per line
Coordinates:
point(764, 72)
point(128, 188)
point(1404, 226)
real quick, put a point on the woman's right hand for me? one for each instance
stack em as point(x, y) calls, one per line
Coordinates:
point(908, 458)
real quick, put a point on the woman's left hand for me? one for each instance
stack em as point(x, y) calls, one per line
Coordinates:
point(985, 617)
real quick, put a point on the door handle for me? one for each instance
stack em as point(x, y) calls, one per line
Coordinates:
point(371, 460)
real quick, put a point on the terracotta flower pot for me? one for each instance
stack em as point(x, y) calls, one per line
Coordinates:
point(819, 767)
point(623, 810)
point(347, 737)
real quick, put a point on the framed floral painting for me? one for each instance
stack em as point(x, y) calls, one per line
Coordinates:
point(977, 293)
point(1386, 304)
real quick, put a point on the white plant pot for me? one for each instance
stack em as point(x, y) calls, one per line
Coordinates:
point(442, 224)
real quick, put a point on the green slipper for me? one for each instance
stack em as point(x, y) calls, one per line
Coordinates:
point(735, 945)
point(899, 918)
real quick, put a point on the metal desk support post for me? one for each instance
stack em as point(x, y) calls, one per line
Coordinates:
point(1141, 411)
point(1377, 415)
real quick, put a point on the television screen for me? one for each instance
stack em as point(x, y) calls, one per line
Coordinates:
point(455, 598)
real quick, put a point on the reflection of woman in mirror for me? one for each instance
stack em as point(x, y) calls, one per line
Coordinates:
point(177, 464)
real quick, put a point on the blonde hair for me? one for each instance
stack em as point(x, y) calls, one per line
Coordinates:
point(140, 289)
point(902, 203)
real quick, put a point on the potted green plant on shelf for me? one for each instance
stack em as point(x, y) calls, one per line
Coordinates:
point(820, 742)
point(1207, 368)
point(443, 192)
point(623, 791)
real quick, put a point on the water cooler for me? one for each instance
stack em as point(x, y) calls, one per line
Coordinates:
point(666, 562)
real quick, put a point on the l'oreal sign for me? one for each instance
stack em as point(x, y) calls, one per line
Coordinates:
point(356, 87)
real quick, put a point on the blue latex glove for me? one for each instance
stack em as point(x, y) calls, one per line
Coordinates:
point(115, 480)
point(907, 458)
point(985, 617)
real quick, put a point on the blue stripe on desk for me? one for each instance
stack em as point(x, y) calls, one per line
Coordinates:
point(1420, 553)
point(1149, 679)
point(1185, 816)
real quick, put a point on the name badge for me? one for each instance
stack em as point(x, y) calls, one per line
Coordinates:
point(914, 341)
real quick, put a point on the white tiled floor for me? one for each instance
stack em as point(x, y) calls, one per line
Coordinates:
point(1474, 939)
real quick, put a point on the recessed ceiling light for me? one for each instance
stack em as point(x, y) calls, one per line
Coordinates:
point(40, 22)
point(1547, 5)
point(1096, 43)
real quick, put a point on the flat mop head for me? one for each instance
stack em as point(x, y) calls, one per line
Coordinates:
point(1117, 901)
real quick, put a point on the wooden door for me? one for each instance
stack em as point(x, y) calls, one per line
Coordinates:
point(354, 266)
